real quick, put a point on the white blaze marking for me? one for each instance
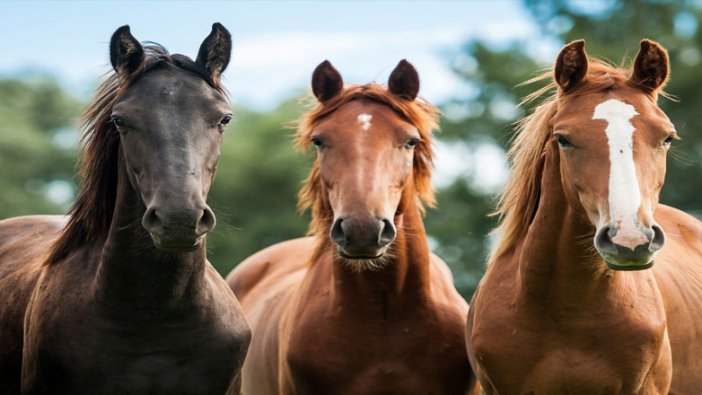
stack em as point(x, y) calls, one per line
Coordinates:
point(364, 120)
point(624, 192)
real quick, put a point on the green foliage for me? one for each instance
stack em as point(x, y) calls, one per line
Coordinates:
point(494, 75)
point(460, 224)
point(254, 195)
point(459, 228)
point(34, 115)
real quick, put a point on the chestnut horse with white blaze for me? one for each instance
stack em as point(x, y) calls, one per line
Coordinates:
point(594, 287)
point(118, 297)
point(362, 306)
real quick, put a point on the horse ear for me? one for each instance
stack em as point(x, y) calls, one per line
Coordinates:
point(326, 81)
point(215, 51)
point(651, 66)
point(571, 65)
point(404, 80)
point(126, 54)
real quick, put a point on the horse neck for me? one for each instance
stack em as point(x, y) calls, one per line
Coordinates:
point(557, 262)
point(405, 275)
point(133, 273)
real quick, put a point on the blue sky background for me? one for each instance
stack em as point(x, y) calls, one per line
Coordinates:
point(277, 44)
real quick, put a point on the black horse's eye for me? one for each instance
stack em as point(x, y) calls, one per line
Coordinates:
point(117, 121)
point(564, 142)
point(225, 121)
point(316, 141)
point(668, 140)
point(412, 143)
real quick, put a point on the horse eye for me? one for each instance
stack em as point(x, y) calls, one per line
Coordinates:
point(411, 143)
point(117, 121)
point(564, 142)
point(668, 140)
point(316, 141)
point(225, 121)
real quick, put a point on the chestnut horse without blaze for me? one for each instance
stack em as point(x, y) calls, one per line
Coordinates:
point(119, 298)
point(362, 306)
point(555, 314)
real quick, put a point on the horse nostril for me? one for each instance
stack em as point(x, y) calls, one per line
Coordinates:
point(151, 221)
point(387, 233)
point(337, 233)
point(658, 239)
point(603, 239)
point(611, 232)
point(206, 222)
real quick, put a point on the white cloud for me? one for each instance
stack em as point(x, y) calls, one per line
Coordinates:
point(264, 68)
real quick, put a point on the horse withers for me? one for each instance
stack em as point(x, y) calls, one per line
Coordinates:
point(119, 298)
point(362, 306)
point(594, 287)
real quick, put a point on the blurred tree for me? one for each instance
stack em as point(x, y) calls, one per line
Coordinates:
point(460, 225)
point(254, 195)
point(36, 167)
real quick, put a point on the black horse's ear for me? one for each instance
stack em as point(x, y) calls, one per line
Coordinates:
point(326, 81)
point(216, 51)
point(571, 65)
point(404, 81)
point(651, 66)
point(126, 54)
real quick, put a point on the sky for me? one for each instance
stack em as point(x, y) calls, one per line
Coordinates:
point(277, 44)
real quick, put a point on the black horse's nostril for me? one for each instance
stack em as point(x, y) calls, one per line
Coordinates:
point(658, 239)
point(151, 221)
point(337, 233)
point(387, 233)
point(206, 222)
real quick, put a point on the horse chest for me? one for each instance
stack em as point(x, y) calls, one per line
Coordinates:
point(100, 356)
point(521, 354)
point(386, 375)
point(397, 359)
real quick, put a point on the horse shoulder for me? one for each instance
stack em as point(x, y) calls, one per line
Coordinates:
point(678, 267)
point(442, 284)
point(678, 272)
point(492, 318)
point(23, 245)
point(683, 227)
point(265, 283)
point(229, 312)
point(24, 242)
point(276, 260)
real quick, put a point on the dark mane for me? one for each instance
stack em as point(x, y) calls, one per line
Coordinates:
point(419, 113)
point(90, 215)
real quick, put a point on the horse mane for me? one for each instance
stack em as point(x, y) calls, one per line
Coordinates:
point(420, 113)
point(519, 200)
point(91, 214)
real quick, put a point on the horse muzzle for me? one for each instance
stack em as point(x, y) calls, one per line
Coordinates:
point(635, 253)
point(178, 230)
point(357, 239)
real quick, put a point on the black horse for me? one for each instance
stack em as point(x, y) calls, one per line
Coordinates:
point(118, 297)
